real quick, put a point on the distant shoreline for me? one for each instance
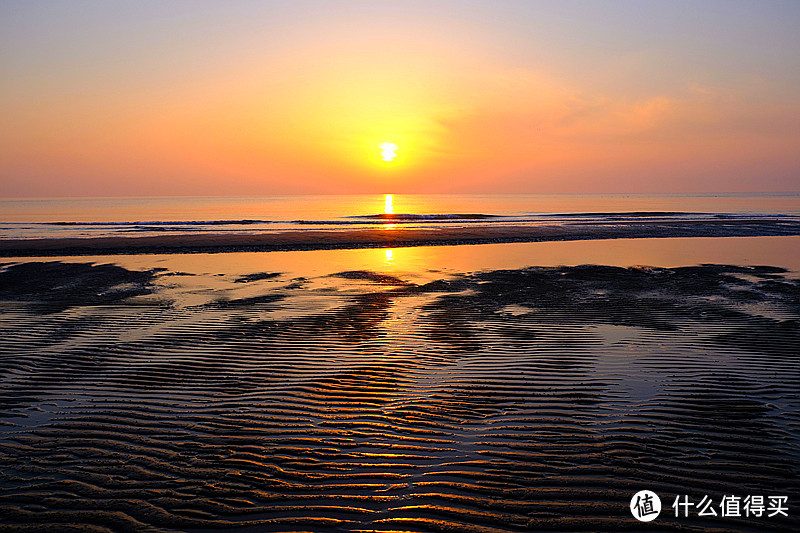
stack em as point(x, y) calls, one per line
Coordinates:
point(295, 240)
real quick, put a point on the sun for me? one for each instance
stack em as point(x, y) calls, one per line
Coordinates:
point(388, 151)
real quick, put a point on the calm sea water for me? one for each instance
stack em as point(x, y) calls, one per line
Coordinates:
point(77, 217)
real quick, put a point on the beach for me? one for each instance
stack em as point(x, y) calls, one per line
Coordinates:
point(494, 387)
point(402, 267)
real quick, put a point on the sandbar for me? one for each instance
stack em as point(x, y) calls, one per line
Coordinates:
point(393, 236)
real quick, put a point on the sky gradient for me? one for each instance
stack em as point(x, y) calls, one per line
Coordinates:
point(237, 98)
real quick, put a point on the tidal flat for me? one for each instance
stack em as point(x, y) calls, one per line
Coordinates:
point(502, 399)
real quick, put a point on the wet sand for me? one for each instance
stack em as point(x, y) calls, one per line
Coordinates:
point(527, 399)
point(392, 236)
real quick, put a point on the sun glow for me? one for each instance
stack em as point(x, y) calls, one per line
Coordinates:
point(388, 205)
point(388, 151)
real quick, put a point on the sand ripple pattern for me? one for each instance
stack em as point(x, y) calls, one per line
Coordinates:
point(526, 400)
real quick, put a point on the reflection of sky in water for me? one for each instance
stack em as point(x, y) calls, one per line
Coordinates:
point(425, 262)
point(39, 414)
point(207, 274)
point(158, 216)
point(618, 359)
point(332, 206)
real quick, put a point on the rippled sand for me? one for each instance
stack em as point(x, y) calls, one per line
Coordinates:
point(512, 400)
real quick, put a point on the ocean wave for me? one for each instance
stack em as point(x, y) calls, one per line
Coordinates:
point(442, 216)
point(238, 222)
point(382, 218)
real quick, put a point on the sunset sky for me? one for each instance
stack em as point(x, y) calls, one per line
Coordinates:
point(229, 98)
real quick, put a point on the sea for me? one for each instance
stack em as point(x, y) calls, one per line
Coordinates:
point(99, 217)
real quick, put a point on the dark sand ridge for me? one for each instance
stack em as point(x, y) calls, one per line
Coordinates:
point(537, 399)
point(396, 237)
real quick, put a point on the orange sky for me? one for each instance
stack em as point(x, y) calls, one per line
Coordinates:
point(104, 99)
